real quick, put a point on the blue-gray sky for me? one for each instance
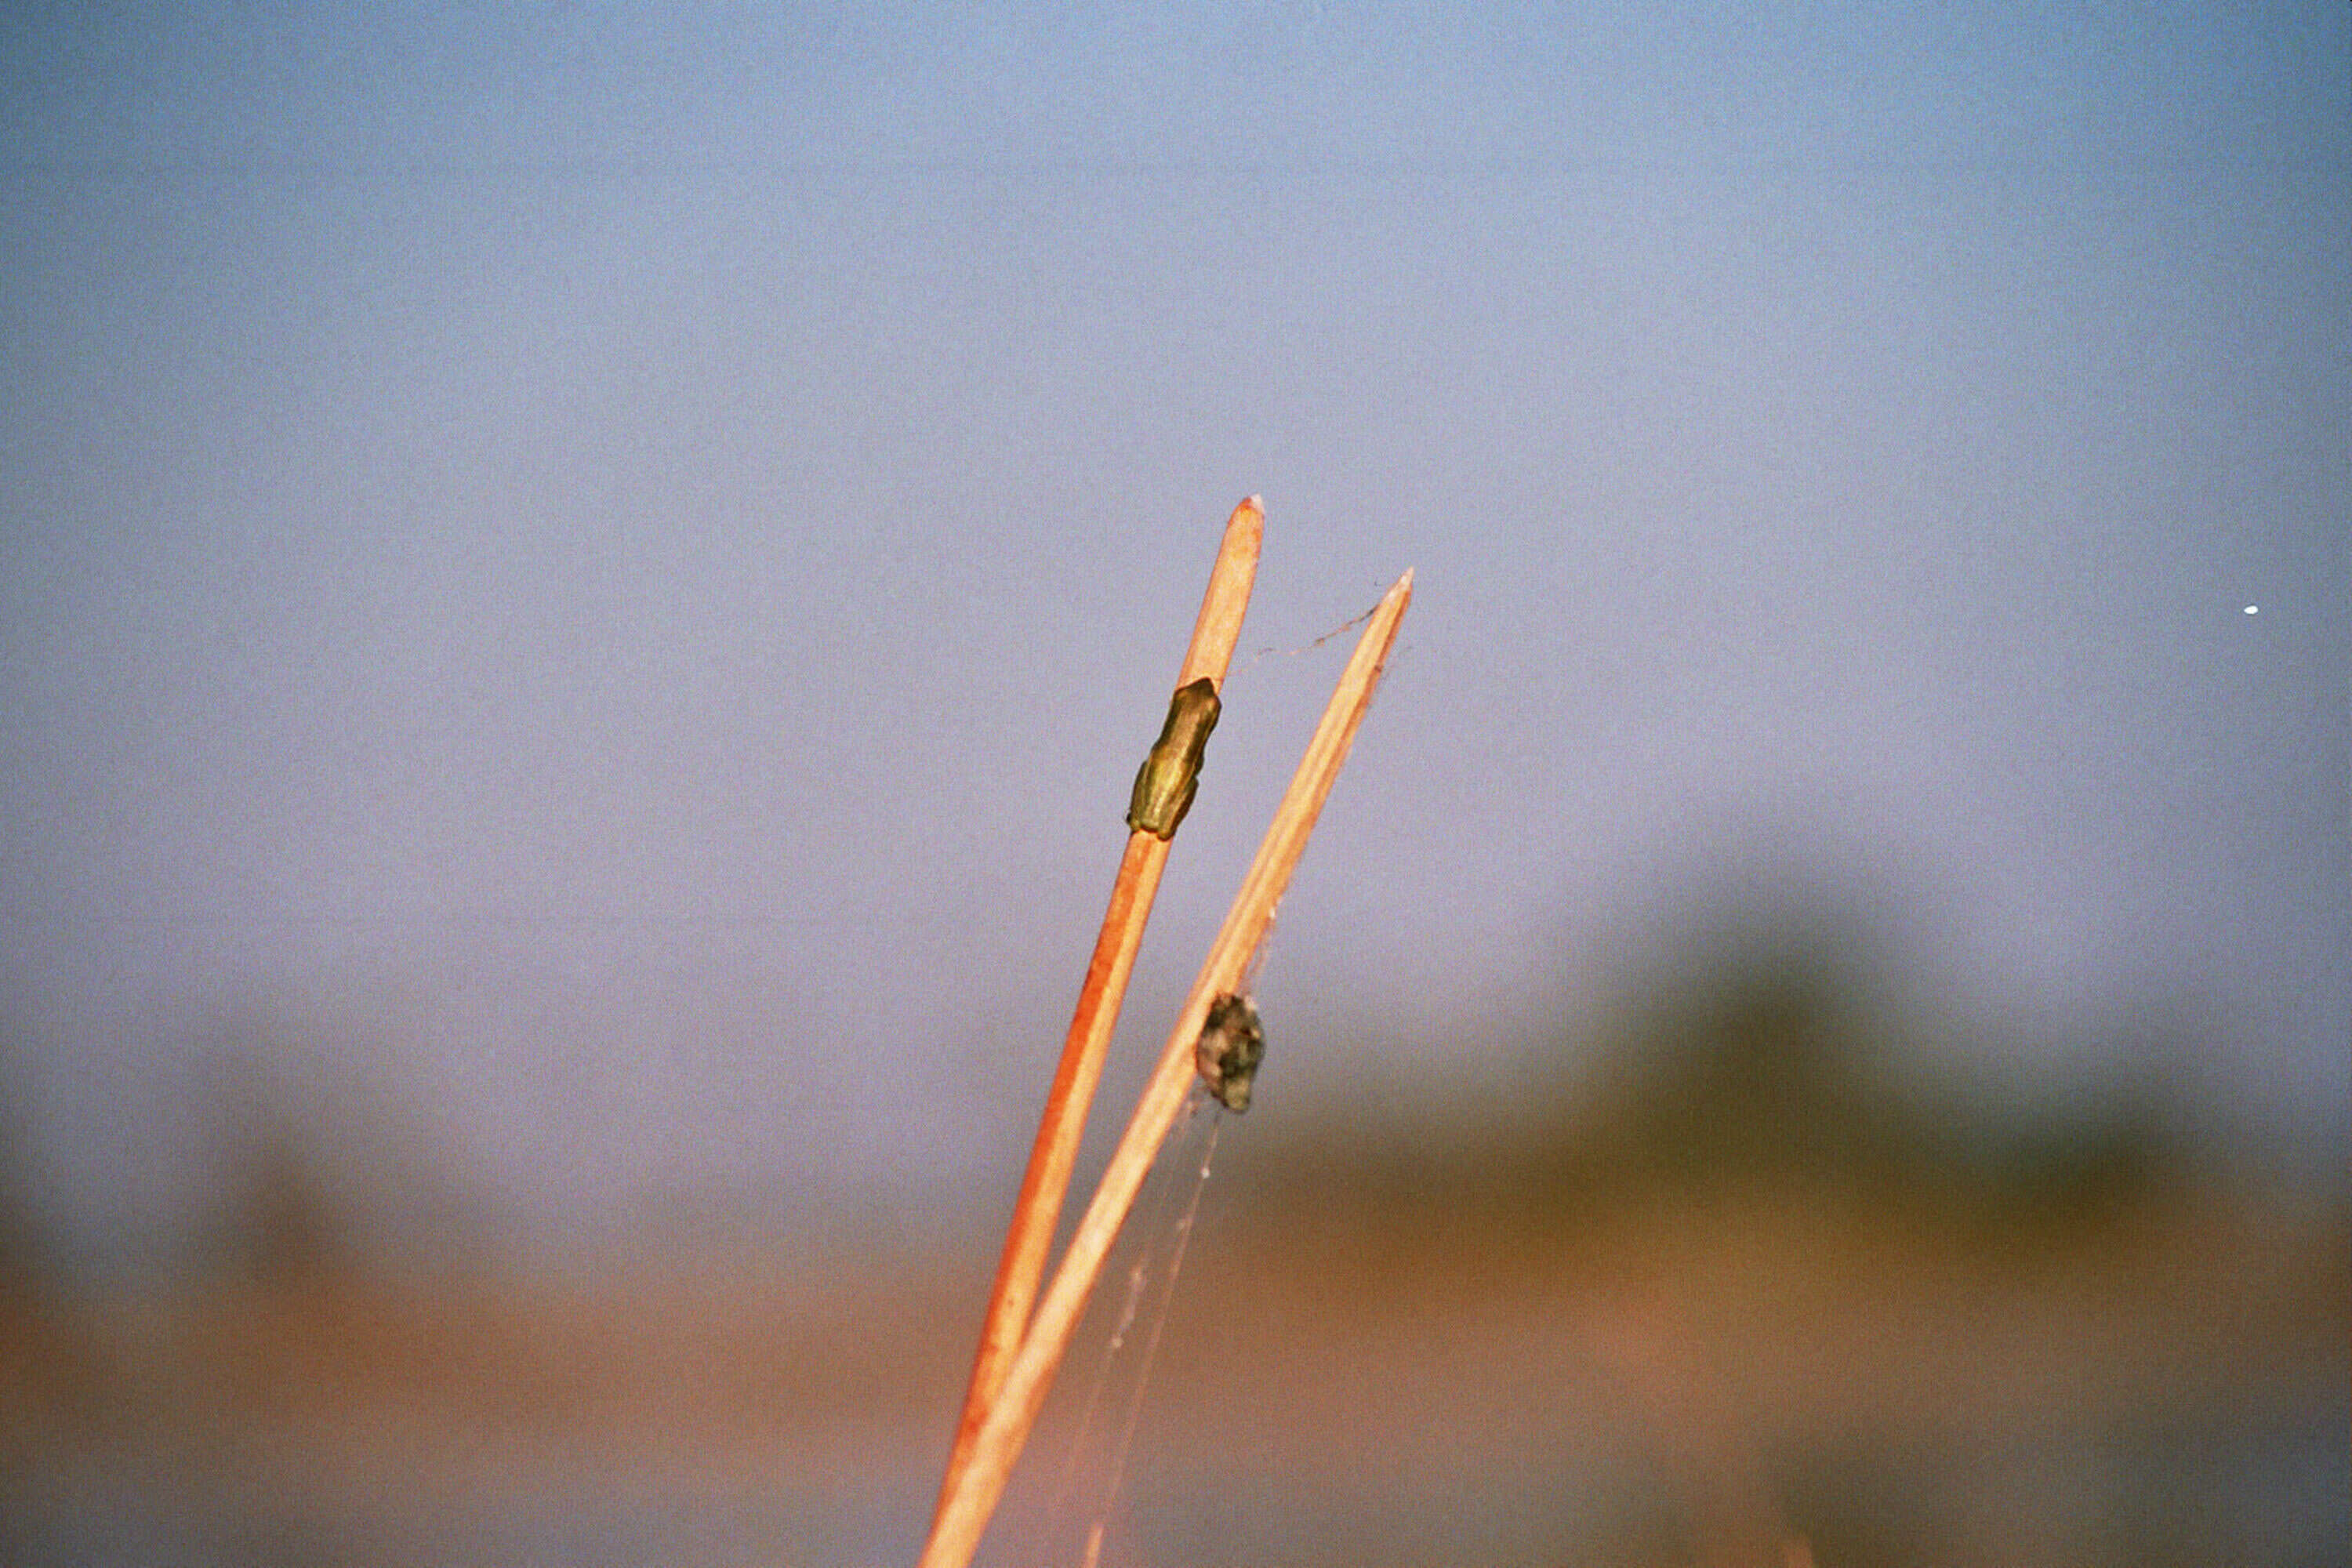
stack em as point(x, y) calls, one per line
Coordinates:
point(592, 579)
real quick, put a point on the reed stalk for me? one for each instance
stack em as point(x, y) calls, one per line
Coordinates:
point(967, 1503)
point(1039, 1208)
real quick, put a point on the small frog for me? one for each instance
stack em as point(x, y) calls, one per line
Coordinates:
point(1232, 1044)
point(1170, 774)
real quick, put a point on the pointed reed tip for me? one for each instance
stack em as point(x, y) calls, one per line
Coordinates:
point(1247, 523)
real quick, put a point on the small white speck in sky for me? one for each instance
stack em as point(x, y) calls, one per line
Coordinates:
point(2254, 609)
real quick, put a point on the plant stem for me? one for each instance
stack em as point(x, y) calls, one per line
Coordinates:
point(967, 1503)
point(1039, 1208)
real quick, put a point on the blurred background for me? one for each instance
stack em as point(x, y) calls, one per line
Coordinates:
point(584, 587)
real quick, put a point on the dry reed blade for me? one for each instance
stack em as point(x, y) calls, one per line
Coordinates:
point(965, 1507)
point(1039, 1208)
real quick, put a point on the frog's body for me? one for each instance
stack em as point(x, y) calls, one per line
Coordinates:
point(1231, 1046)
point(1170, 774)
